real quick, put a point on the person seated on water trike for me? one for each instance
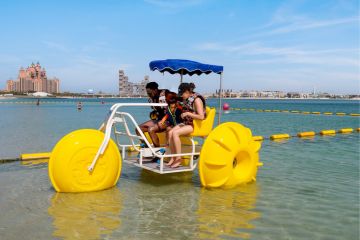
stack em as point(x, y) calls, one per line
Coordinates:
point(172, 114)
point(194, 107)
point(155, 95)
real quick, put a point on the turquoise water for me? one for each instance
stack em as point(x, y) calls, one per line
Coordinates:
point(307, 188)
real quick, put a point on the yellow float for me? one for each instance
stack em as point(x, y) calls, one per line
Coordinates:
point(258, 138)
point(229, 156)
point(279, 136)
point(33, 156)
point(71, 156)
point(346, 130)
point(328, 132)
point(306, 134)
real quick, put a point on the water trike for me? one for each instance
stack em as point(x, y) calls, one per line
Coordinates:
point(91, 160)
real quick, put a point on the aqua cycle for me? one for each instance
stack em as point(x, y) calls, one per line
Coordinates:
point(91, 160)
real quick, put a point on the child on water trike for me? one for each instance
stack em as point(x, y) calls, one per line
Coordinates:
point(172, 114)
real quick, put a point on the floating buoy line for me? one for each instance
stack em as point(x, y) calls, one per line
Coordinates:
point(297, 112)
point(308, 134)
point(274, 137)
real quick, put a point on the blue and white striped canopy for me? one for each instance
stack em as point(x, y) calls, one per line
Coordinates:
point(184, 67)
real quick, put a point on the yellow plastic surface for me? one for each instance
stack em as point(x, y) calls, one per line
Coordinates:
point(71, 157)
point(279, 136)
point(340, 114)
point(327, 132)
point(229, 156)
point(328, 113)
point(32, 156)
point(346, 130)
point(202, 128)
point(258, 138)
point(354, 114)
point(306, 134)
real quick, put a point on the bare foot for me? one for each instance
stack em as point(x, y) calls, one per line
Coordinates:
point(172, 160)
point(176, 163)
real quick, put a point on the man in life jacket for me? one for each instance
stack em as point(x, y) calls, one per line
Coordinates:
point(155, 95)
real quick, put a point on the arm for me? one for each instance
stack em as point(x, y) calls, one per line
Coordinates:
point(199, 113)
point(162, 121)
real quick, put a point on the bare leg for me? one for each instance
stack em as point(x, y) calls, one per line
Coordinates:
point(154, 137)
point(145, 126)
point(171, 144)
point(168, 135)
point(184, 130)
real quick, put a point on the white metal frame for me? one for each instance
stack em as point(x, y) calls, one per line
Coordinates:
point(115, 117)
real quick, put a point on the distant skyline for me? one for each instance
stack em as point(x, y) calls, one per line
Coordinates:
point(294, 45)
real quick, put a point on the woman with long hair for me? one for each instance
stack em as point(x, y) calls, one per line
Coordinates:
point(193, 108)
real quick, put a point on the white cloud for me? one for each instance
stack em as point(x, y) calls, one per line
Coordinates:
point(56, 46)
point(303, 24)
point(340, 57)
point(174, 3)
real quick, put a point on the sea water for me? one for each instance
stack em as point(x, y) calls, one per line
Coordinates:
point(307, 188)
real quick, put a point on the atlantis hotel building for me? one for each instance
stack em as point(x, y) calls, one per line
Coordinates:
point(33, 79)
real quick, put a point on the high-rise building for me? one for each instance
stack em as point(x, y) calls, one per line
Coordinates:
point(33, 79)
point(130, 89)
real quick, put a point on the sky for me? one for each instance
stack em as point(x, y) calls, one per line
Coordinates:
point(294, 45)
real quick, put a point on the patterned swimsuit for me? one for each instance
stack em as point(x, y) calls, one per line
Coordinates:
point(188, 106)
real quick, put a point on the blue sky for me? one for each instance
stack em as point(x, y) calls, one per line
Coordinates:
point(263, 45)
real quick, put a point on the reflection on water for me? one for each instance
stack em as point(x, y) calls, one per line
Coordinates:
point(227, 212)
point(165, 179)
point(33, 162)
point(86, 215)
